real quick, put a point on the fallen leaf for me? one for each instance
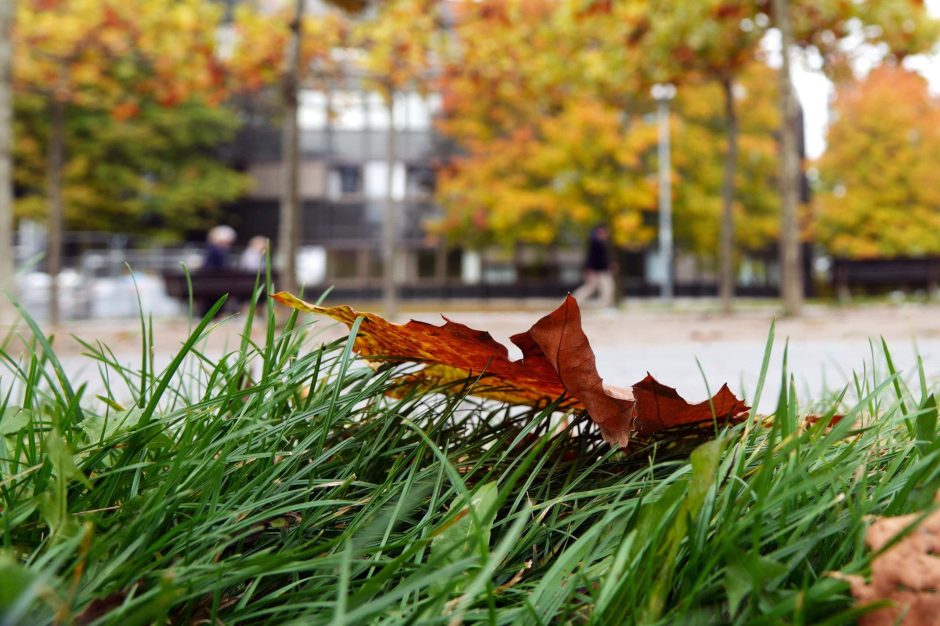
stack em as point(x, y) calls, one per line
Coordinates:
point(907, 573)
point(559, 340)
point(557, 362)
point(812, 420)
point(660, 408)
point(460, 351)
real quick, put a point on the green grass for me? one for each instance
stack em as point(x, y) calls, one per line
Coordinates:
point(280, 484)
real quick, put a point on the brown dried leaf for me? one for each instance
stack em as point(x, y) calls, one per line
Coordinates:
point(556, 359)
point(907, 573)
point(559, 340)
point(470, 352)
point(660, 408)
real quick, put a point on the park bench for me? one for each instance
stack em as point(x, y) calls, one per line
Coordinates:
point(885, 274)
point(209, 286)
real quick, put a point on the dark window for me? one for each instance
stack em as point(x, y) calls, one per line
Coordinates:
point(349, 179)
point(421, 180)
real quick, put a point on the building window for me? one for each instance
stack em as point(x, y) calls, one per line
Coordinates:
point(421, 180)
point(312, 111)
point(345, 180)
point(349, 110)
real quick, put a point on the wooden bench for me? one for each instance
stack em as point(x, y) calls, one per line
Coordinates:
point(209, 286)
point(884, 274)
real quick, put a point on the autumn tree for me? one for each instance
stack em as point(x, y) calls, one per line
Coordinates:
point(699, 146)
point(397, 44)
point(114, 56)
point(588, 70)
point(290, 50)
point(535, 93)
point(290, 223)
point(835, 31)
point(878, 194)
point(687, 43)
point(715, 39)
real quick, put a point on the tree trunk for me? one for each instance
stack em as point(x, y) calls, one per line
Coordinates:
point(56, 163)
point(290, 222)
point(440, 262)
point(390, 223)
point(726, 246)
point(790, 267)
point(6, 156)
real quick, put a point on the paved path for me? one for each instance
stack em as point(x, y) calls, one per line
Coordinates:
point(826, 344)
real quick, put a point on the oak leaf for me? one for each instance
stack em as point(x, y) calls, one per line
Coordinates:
point(557, 364)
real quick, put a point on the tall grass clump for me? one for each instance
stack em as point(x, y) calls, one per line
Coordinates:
point(280, 483)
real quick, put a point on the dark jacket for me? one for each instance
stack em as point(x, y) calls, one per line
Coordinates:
point(215, 258)
point(598, 256)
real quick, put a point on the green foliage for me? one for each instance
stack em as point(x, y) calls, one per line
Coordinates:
point(139, 85)
point(280, 484)
point(159, 172)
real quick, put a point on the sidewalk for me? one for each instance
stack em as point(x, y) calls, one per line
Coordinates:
point(639, 322)
point(825, 344)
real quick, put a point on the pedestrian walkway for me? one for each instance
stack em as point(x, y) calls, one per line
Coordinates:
point(690, 349)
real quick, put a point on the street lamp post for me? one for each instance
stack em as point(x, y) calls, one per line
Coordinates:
point(662, 94)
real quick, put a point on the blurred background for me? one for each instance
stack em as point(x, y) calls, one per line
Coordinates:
point(414, 150)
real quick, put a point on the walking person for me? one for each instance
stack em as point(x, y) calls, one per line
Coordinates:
point(598, 270)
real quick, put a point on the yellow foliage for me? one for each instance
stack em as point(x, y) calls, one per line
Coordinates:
point(105, 53)
point(550, 182)
point(256, 59)
point(699, 147)
point(397, 45)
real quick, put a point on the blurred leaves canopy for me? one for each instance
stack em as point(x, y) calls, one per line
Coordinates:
point(547, 100)
point(879, 195)
point(140, 90)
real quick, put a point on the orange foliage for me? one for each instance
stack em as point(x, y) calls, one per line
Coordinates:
point(112, 54)
point(257, 56)
point(878, 173)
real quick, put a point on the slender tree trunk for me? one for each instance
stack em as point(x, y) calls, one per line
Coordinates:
point(726, 247)
point(390, 223)
point(790, 268)
point(6, 155)
point(440, 262)
point(56, 164)
point(290, 223)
